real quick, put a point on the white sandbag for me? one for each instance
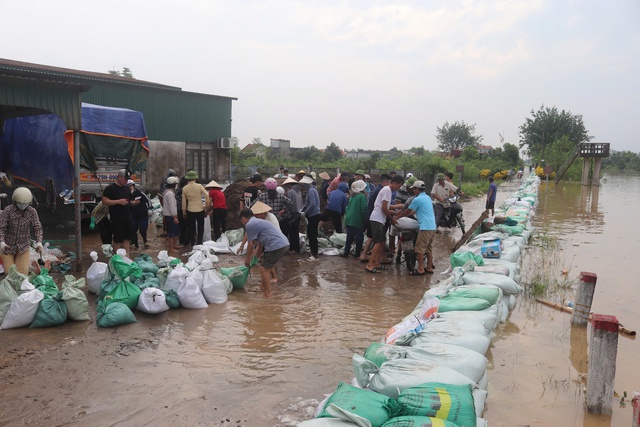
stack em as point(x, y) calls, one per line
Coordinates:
point(479, 400)
point(123, 254)
point(190, 295)
point(325, 422)
point(207, 229)
point(396, 375)
point(484, 382)
point(468, 362)
point(494, 268)
point(23, 310)
point(95, 273)
point(176, 277)
point(219, 247)
point(511, 254)
point(414, 322)
point(328, 251)
point(339, 240)
point(152, 301)
point(164, 259)
point(214, 289)
point(488, 318)
point(507, 284)
point(504, 310)
point(195, 259)
point(510, 301)
point(514, 269)
point(478, 342)
point(406, 223)
point(234, 249)
point(481, 422)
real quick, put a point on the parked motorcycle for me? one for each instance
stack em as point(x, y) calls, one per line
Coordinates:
point(452, 215)
point(408, 228)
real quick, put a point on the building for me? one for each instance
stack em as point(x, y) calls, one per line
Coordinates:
point(485, 149)
point(186, 130)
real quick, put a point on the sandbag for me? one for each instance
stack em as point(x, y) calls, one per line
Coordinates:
point(190, 294)
point(7, 295)
point(162, 275)
point(478, 342)
point(238, 275)
point(171, 297)
point(146, 264)
point(107, 286)
point(124, 292)
point(364, 403)
point(23, 310)
point(459, 259)
point(214, 289)
point(440, 400)
point(507, 284)
point(488, 317)
point(176, 277)
point(325, 422)
point(51, 312)
point(113, 314)
point(95, 273)
point(418, 421)
point(14, 278)
point(147, 280)
point(338, 240)
point(74, 298)
point(45, 284)
point(414, 322)
point(406, 223)
point(123, 268)
point(152, 301)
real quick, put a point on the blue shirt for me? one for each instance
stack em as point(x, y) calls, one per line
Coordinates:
point(312, 202)
point(266, 233)
point(423, 206)
point(493, 193)
point(338, 199)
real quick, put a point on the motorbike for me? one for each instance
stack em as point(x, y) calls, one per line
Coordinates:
point(452, 215)
point(408, 234)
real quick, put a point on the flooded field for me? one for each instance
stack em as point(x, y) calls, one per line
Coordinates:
point(267, 362)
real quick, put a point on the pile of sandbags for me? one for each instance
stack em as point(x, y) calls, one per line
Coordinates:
point(37, 301)
point(153, 288)
point(430, 368)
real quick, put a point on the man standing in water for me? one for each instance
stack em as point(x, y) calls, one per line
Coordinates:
point(270, 246)
point(491, 196)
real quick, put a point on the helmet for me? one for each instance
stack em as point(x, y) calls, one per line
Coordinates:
point(271, 184)
point(280, 190)
point(409, 175)
point(22, 195)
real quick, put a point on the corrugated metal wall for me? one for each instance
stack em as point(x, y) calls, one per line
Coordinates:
point(170, 115)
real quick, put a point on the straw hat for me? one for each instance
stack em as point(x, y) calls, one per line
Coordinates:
point(358, 186)
point(313, 175)
point(301, 172)
point(289, 181)
point(306, 180)
point(324, 175)
point(213, 184)
point(259, 207)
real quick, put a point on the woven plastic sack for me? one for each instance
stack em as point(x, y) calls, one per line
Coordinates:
point(113, 314)
point(190, 294)
point(7, 295)
point(364, 403)
point(74, 298)
point(152, 301)
point(96, 273)
point(146, 264)
point(107, 286)
point(124, 292)
point(14, 278)
point(460, 259)
point(213, 288)
point(238, 275)
point(23, 309)
point(51, 312)
point(122, 268)
point(439, 400)
point(45, 284)
point(171, 297)
point(234, 236)
point(176, 277)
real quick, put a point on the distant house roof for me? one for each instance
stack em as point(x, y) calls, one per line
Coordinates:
point(249, 148)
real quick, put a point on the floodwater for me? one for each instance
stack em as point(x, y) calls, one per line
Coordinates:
point(267, 362)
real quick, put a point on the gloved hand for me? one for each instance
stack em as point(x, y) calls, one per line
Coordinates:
point(3, 247)
point(92, 223)
point(302, 215)
point(39, 248)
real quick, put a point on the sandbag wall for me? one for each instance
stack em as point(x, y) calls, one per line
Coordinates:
point(430, 368)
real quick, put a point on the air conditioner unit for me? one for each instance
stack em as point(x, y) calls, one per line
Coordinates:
point(225, 143)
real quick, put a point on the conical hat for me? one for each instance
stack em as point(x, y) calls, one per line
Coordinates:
point(213, 184)
point(289, 181)
point(259, 207)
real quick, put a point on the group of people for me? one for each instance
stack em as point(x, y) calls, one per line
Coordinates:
point(122, 213)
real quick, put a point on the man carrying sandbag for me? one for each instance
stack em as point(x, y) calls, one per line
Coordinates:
point(270, 246)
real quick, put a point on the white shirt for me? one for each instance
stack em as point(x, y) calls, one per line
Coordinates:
point(378, 215)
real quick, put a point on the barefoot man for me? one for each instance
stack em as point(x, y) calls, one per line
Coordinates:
point(266, 242)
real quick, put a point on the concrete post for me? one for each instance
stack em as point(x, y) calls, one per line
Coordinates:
point(585, 171)
point(635, 402)
point(602, 364)
point(597, 163)
point(584, 298)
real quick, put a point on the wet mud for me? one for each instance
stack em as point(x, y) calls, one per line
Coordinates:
point(267, 362)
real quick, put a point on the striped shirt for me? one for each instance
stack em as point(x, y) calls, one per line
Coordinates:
point(15, 228)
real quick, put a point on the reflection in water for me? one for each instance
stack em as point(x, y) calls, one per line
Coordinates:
point(579, 348)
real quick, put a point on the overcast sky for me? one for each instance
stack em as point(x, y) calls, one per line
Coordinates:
point(363, 74)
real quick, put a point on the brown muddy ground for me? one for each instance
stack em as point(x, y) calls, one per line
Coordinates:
point(267, 362)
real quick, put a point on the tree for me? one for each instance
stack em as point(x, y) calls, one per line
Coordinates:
point(511, 154)
point(332, 153)
point(418, 151)
point(458, 135)
point(549, 125)
point(126, 72)
point(307, 154)
point(470, 153)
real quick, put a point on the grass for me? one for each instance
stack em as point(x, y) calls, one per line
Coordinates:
point(548, 272)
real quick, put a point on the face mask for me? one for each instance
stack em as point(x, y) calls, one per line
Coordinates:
point(22, 206)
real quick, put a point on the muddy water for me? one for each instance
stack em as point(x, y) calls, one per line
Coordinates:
point(266, 362)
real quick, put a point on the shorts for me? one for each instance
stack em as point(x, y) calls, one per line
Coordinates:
point(121, 230)
point(377, 232)
point(367, 229)
point(173, 229)
point(424, 242)
point(269, 259)
point(490, 205)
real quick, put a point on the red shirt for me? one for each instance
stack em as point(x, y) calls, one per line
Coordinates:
point(218, 201)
